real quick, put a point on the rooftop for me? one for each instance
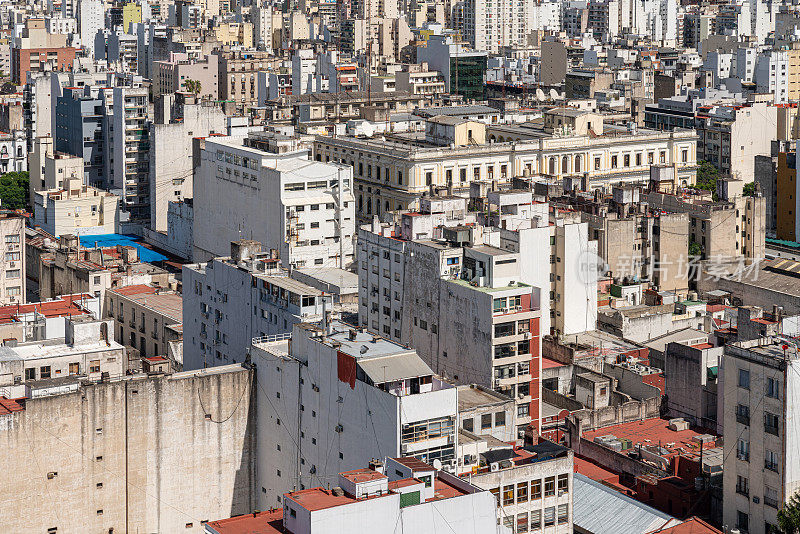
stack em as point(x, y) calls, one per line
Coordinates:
point(64, 306)
point(600, 509)
point(473, 396)
point(146, 254)
point(655, 432)
point(168, 304)
point(270, 522)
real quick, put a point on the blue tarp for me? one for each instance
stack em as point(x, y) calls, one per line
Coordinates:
point(112, 240)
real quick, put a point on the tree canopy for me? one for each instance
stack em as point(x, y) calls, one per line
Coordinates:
point(14, 190)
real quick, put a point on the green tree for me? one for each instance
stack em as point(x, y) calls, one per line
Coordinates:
point(695, 249)
point(749, 189)
point(707, 176)
point(193, 86)
point(789, 516)
point(14, 190)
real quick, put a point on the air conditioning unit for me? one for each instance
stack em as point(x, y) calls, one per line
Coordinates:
point(495, 467)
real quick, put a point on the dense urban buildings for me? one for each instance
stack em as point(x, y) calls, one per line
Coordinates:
point(314, 266)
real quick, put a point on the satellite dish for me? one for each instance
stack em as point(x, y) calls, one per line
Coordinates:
point(553, 94)
point(437, 464)
point(540, 95)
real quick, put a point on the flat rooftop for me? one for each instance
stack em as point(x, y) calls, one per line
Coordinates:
point(64, 306)
point(471, 396)
point(168, 304)
point(655, 432)
point(146, 254)
point(270, 522)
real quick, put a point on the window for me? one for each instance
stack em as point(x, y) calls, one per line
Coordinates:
point(743, 414)
point(770, 460)
point(742, 521)
point(44, 372)
point(522, 522)
point(563, 513)
point(536, 520)
point(494, 491)
point(563, 483)
point(744, 379)
point(771, 497)
point(500, 419)
point(536, 489)
point(468, 424)
point(13, 273)
point(508, 495)
point(742, 485)
point(486, 421)
point(770, 423)
point(74, 368)
point(613, 162)
point(549, 486)
point(549, 516)
point(522, 492)
point(772, 388)
point(12, 256)
point(743, 450)
point(30, 373)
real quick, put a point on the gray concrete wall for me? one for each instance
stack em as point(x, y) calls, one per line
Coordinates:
point(158, 454)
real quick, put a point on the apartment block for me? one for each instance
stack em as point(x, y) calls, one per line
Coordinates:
point(12, 254)
point(86, 350)
point(758, 385)
point(130, 146)
point(354, 397)
point(230, 300)
point(303, 209)
point(634, 242)
point(172, 163)
point(76, 209)
point(532, 485)
point(13, 152)
point(146, 318)
point(237, 76)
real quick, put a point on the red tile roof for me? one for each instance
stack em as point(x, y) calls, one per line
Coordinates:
point(259, 523)
point(9, 406)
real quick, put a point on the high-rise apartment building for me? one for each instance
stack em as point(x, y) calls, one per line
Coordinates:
point(302, 208)
point(759, 381)
point(337, 397)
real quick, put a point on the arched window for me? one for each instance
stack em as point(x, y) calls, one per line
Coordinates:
point(577, 163)
point(369, 206)
point(552, 165)
point(565, 165)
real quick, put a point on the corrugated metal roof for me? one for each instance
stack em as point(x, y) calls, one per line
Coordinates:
point(394, 367)
point(602, 510)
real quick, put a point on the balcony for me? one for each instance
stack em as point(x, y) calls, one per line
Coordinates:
point(771, 502)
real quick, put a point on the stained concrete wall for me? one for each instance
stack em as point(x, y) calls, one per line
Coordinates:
point(146, 454)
